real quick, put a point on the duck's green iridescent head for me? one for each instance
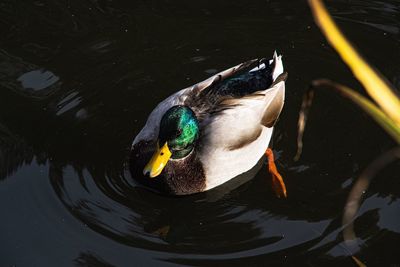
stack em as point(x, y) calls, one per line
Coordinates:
point(179, 131)
point(179, 128)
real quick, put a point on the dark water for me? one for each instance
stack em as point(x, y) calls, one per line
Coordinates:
point(77, 81)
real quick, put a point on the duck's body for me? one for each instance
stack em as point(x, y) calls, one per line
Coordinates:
point(234, 111)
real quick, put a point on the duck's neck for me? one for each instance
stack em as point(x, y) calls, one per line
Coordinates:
point(185, 176)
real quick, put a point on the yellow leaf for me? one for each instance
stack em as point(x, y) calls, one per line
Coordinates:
point(376, 86)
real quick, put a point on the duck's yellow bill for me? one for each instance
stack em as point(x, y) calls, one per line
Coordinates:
point(158, 161)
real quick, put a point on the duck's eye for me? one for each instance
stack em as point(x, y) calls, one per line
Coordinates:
point(179, 132)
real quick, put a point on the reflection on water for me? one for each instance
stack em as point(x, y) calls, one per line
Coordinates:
point(378, 14)
point(88, 259)
point(26, 78)
point(37, 79)
point(77, 81)
point(141, 218)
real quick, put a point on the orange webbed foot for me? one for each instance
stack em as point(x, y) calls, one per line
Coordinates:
point(277, 182)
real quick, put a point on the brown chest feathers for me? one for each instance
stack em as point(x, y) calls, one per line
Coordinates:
point(179, 177)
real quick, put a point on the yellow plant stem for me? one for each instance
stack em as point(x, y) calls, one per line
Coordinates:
point(376, 86)
point(358, 262)
point(374, 111)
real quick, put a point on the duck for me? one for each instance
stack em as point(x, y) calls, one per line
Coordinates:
point(211, 132)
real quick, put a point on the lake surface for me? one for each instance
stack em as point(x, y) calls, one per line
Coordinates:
point(77, 82)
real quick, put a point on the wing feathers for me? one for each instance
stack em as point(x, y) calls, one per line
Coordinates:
point(274, 108)
point(199, 87)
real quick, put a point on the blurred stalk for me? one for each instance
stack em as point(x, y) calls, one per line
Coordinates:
point(375, 84)
point(370, 108)
point(386, 111)
point(360, 187)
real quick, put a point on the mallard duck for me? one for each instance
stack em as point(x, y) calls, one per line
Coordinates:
point(206, 134)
